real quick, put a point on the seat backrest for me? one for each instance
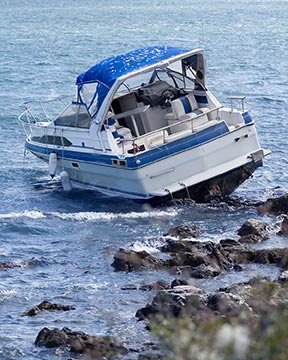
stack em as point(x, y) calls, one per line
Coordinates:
point(184, 105)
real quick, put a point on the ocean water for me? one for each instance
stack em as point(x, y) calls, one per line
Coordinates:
point(64, 243)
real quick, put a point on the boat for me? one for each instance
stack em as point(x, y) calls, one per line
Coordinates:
point(144, 125)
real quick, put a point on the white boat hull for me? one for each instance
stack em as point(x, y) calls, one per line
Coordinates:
point(167, 175)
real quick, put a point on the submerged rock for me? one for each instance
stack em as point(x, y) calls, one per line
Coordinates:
point(8, 266)
point(98, 347)
point(275, 206)
point(47, 306)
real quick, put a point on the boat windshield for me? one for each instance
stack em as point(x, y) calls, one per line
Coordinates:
point(75, 115)
point(172, 77)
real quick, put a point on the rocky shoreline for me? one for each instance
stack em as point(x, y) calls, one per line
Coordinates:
point(258, 306)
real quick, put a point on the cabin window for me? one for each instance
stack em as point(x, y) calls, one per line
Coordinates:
point(52, 140)
point(76, 115)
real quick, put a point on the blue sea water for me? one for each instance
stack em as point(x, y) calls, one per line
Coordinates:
point(64, 243)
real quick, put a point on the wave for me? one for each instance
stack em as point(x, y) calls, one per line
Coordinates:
point(87, 216)
point(7, 294)
point(32, 214)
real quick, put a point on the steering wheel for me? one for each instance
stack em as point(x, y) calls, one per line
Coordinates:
point(167, 96)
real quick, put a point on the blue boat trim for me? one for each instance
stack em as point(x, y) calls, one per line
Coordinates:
point(247, 117)
point(141, 159)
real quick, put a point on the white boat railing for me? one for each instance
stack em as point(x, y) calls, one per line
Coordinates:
point(140, 143)
point(28, 119)
point(163, 136)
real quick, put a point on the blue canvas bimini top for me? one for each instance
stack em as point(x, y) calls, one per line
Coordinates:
point(106, 72)
point(110, 69)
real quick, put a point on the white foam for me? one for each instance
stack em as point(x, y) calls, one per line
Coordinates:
point(7, 294)
point(93, 216)
point(150, 245)
point(32, 214)
point(87, 216)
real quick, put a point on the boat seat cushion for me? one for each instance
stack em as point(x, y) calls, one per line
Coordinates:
point(199, 116)
point(184, 105)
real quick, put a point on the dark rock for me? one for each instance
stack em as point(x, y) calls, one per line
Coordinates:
point(187, 258)
point(178, 282)
point(237, 267)
point(253, 231)
point(240, 254)
point(276, 206)
point(173, 302)
point(179, 202)
point(47, 306)
point(226, 304)
point(214, 192)
point(129, 260)
point(146, 312)
point(205, 271)
point(184, 232)
point(129, 287)
point(251, 239)
point(176, 246)
point(245, 302)
point(8, 266)
point(228, 243)
point(158, 285)
point(150, 356)
point(52, 338)
point(272, 256)
point(284, 227)
point(98, 347)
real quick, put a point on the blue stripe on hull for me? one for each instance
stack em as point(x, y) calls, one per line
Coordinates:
point(145, 158)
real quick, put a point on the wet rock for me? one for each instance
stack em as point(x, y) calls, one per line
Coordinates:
point(8, 266)
point(283, 276)
point(284, 227)
point(209, 261)
point(239, 254)
point(98, 347)
point(178, 282)
point(253, 231)
point(158, 285)
point(47, 306)
point(205, 271)
point(228, 243)
point(171, 303)
point(179, 202)
point(214, 192)
point(245, 302)
point(184, 232)
point(226, 304)
point(272, 256)
point(150, 356)
point(129, 260)
point(276, 206)
point(129, 287)
point(177, 246)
